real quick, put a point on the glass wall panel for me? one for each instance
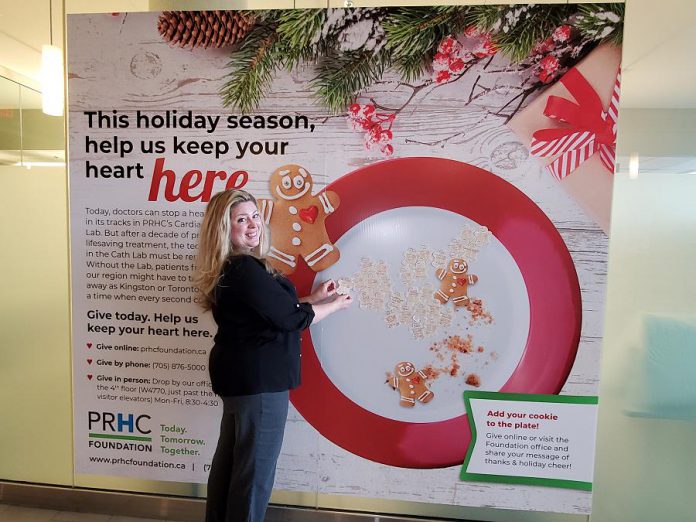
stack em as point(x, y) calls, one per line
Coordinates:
point(10, 123)
point(43, 136)
point(646, 463)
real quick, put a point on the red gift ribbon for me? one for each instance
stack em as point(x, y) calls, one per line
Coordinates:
point(590, 129)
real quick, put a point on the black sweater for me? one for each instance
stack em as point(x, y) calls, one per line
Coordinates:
point(257, 345)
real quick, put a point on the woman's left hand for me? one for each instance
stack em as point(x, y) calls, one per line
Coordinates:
point(324, 291)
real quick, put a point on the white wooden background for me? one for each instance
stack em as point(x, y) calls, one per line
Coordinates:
point(119, 62)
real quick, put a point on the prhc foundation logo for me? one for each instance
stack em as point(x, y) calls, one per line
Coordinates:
point(123, 431)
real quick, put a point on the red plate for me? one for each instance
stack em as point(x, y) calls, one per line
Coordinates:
point(545, 264)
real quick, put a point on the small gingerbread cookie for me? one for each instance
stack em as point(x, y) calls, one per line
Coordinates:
point(296, 219)
point(411, 385)
point(454, 283)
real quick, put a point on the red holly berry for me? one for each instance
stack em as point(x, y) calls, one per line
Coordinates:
point(375, 132)
point(562, 33)
point(442, 77)
point(447, 45)
point(457, 65)
point(545, 76)
point(549, 63)
point(486, 48)
point(375, 126)
point(545, 46)
point(367, 124)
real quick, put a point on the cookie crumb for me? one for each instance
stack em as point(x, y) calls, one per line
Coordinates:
point(460, 344)
point(478, 312)
point(473, 380)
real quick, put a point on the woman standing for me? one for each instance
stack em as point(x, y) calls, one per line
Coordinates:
point(256, 357)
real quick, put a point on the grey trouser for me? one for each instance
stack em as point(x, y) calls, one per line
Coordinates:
point(243, 468)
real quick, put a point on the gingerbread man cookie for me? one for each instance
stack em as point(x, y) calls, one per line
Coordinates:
point(455, 283)
point(296, 219)
point(411, 385)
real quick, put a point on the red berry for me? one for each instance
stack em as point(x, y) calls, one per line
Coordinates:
point(457, 65)
point(562, 33)
point(446, 45)
point(487, 48)
point(442, 77)
point(545, 46)
point(549, 63)
point(545, 76)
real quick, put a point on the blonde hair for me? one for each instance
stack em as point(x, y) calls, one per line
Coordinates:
point(215, 245)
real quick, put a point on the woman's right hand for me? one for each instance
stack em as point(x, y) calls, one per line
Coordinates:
point(342, 301)
point(322, 310)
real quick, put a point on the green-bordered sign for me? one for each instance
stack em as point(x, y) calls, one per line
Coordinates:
point(542, 440)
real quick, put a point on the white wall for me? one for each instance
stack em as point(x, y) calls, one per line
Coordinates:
point(35, 392)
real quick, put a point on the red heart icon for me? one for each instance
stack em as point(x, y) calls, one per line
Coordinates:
point(89, 361)
point(309, 214)
point(89, 376)
point(461, 281)
point(89, 345)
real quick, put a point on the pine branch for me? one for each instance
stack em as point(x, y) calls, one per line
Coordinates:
point(412, 67)
point(520, 28)
point(343, 75)
point(483, 16)
point(601, 22)
point(413, 35)
point(266, 16)
point(298, 30)
point(253, 67)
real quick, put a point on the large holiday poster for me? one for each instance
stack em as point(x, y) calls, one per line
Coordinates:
point(450, 167)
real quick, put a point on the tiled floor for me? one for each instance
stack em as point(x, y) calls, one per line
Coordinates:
point(24, 514)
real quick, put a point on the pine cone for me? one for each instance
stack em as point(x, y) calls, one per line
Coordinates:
point(204, 28)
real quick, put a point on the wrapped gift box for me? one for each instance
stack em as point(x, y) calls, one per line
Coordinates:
point(571, 127)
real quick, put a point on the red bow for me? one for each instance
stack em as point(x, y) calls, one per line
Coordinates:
point(590, 129)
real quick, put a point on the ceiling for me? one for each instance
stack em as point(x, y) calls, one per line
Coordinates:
point(659, 70)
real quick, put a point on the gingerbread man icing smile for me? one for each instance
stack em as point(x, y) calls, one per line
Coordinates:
point(296, 219)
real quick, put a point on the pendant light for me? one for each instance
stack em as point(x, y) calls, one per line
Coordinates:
point(52, 93)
